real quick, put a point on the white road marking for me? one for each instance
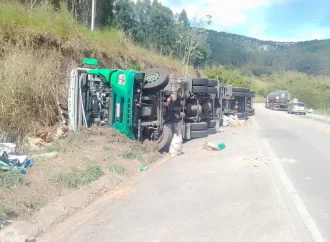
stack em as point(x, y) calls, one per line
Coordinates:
point(302, 210)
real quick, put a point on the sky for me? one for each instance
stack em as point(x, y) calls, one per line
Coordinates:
point(277, 20)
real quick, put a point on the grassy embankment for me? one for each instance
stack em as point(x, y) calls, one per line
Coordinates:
point(38, 49)
point(313, 90)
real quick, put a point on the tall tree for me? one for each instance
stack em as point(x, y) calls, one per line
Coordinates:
point(194, 38)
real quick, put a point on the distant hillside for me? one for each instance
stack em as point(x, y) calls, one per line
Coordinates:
point(310, 57)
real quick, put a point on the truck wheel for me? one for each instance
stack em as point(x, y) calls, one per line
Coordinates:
point(200, 81)
point(212, 90)
point(211, 131)
point(212, 123)
point(199, 126)
point(200, 89)
point(252, 92)
point(198, 134)
point(165, 140)
point(240, 115)
point(241, 89)
point(156, 79)
point(213, 83)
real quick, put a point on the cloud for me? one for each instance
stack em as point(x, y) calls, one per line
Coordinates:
point(224, 12)
point(278, 20)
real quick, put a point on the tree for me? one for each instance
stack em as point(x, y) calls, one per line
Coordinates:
point(193, 38)
point(183, 18)
point(124, 15)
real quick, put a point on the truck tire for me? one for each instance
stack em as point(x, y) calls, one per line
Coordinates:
point(156, 80)
point(200, 81)
point(199, 126)
point(244, 118)
point(198, 134)
point(211, 131)
point(212, 123)
point(240, 115)
point(213, 83)
point(250, 111)
point(240, 94)
point(212, 90)
point(200, 89)
point(166, 139)
point(240, 89)
point(252, 92)
point(252, 95)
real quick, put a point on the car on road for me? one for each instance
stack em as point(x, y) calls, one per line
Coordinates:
point(297, 107)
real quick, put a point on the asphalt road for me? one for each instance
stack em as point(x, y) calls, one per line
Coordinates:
point(228, 195)
point(302, 146)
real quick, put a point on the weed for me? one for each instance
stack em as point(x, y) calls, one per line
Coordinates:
point(12, 178)
point(107, 148)
point(117, 168)
point(132, 155)
point(5, 212)
point(77, 178)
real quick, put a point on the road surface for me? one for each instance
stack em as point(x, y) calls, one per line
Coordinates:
point(302, 146)
point(232, 195)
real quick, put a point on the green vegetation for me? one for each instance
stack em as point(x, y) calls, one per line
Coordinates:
point(117, 169)
point(12, 178)
point(263, 57)
point(77, 178)
point(132, 155)
point(313, 90)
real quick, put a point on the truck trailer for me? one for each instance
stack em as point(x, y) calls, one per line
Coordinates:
point(278, 100)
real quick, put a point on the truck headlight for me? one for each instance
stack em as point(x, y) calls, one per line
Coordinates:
point(121, 79)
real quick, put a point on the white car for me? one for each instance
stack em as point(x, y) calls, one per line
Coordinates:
point(297, 107)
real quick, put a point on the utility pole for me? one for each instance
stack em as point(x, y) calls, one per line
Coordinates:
point(93, 15)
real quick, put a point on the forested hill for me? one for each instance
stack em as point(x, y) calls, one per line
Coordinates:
point(311, 57)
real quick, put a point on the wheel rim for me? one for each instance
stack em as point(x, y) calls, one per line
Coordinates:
point(152, 76)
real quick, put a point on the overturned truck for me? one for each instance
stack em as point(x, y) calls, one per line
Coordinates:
point(143, 105)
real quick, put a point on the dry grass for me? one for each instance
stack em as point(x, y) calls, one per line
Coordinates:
point(83, 158)
point(39, 47)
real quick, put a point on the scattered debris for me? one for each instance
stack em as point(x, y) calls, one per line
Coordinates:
point(14, 163)
point(226, 120)
point(10, 162)
point(235, 122)
point(176, 145)
point(144, 168)
point(221, 146)
point(210, 146)
point(9, 148)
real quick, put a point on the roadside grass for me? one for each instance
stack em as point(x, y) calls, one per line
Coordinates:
point(77, 178)
point(39, 47)
point(117, 169)
point(12, 178)
point(132, 155)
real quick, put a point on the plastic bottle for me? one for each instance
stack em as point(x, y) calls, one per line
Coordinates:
point(221, 146)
